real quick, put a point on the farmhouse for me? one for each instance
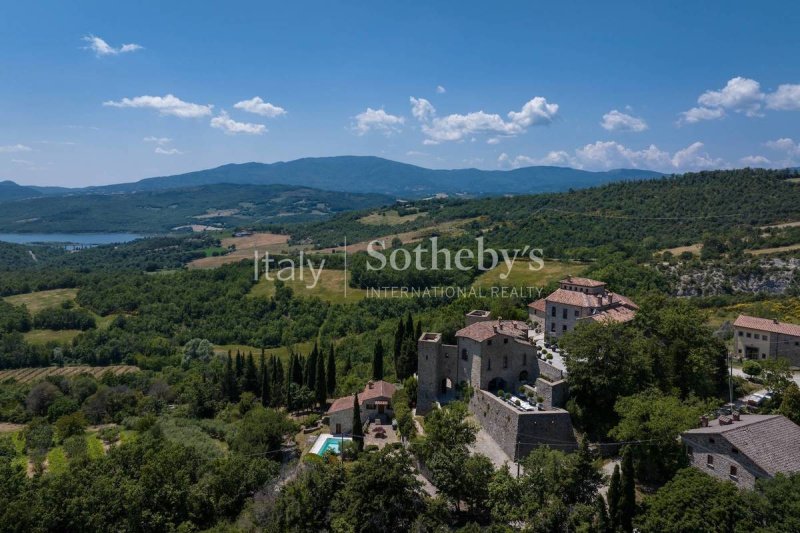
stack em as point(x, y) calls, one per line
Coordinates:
point(375, 401)
point(579, 299)
point(762, 338)
point(744, 448)
point(497, 363)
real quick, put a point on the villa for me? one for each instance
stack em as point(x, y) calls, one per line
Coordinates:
point(579, 299)
point(762, 338)
point(498, 363)
point(375, 402)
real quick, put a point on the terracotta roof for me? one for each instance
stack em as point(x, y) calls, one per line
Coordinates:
point(771, 441)
point(583, 282)
point(481, 331)
point(614, 314)
point(765, 324)
point(538, 305)
point(380, 389)
point(580, 299)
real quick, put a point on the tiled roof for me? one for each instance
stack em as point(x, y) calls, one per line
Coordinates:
point(765, 324)
point(538, 305)
point(771, 441)
point(614, 314)
point(583, 282)
point(380, 389)
point(580, 299)
point(481, 331)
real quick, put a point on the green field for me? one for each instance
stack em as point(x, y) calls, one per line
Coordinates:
point(522, 276)
point(330, 288)
point(389, 218)
point(43, 336)
point(36, 301)
point(282, 352)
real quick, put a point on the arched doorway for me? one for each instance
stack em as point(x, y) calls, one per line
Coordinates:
point(497, 384)
point(445, 386)
point(523, 376)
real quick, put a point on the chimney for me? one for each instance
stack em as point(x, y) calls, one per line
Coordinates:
point(775, 321)
point(736, 416)
point(725, 421)
point(370, 384)
point(703, 421)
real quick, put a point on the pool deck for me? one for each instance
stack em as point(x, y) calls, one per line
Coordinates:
point(320, 442)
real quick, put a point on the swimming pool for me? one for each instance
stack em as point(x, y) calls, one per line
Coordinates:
point(328, 443)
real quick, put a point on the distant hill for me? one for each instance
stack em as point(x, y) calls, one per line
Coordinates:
point(10, 191)
point(156, 211)
point(382, 176)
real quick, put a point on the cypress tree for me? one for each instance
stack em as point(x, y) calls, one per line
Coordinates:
point(330, 372)
point(311, 368)
point(399, 336)
point(358, 428)
point(377, 361)
point(230, 386)
point(266, 386)
point(250, 375)
point(603, 524)
point(297, 370)
point(277, 381)
point(348, 365)
point(627, 498)
point(321, 386)
point(239, 364)
point(614, 489)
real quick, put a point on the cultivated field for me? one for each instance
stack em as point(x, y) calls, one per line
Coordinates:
point(282, 352)
point(245, 247)
point(389, 218)
point(330, 287)
point(36, 301)
point(522, 276)
point(43, 336)
point(28, 375)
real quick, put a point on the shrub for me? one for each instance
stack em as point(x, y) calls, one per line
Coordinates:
point(109, 435)
point(751, 368)
point(70, 425)
point(75, 447)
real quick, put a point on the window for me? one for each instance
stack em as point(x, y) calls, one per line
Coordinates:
point(748, 335)
point(710, 461)
point(505, 341)
point(711, 440)
point(489, 343)
point(488, 364)
point(577, 313)
point(464, 354)
point(764, 338)
point(740, 350)
point(524, 359)
point(797, 343)
point(741, 333)
point(505, 361)
point(564, 313)
point(690, 450)
point(370, 406)
point(553, 327)
point(734, 450)
point(734, 473)
point(564, 327)
point(553, 311)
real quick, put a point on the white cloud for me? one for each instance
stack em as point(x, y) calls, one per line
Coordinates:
point(422, 109)
point(377, 120)
point(696, 114)
point(786, 145)
point(167, 151)
point(786, 98)
point(605, 155)
point(440, 89)
point(755, 161)
point(232, 127)
point(158, 140)
point(14, 148)
point(260, 107)
point(457, 127)
point(615, 120)
point(166, 105)
point(102, 48)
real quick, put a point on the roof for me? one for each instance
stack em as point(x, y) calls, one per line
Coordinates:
point(772, 442)
point(614, 314)
point(538, 305)
point(486, 329)
point(765, 324)
point(379, 389)
point(581, 299)
point(583, 282)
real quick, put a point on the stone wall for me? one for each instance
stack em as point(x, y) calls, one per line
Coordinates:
point(518, 432)
point(699, 447)
point(549, 371)
point(553, 392)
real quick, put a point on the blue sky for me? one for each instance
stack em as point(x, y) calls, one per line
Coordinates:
point(673, 87)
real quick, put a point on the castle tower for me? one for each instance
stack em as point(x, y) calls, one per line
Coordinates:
point(429, 351)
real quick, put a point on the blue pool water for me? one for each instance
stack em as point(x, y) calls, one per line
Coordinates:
point(331, 444)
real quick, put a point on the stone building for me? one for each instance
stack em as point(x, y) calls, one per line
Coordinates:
point(579, 299)
point(490, 357)
point(375, 401)
point(762, 338)
point(744, 448)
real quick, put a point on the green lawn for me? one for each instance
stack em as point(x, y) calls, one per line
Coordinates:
point(330, 287)
point(43, 336)
point(95, 446)
point(56, 461)
point(522, 276)
point(389, 218)
point(36, 301)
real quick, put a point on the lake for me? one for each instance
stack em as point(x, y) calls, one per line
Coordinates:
point(75, 239)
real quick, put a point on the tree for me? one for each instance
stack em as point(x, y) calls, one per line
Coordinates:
point(266, 383)
point(777, 375)
point(70, 425)
point(614, 491)
point(751, 368)
point(321, 385)
point(584, 479)
point(790, 405)
point(261, 431)
point(381, 493)
point(330, 372)
point(358, 428)
point(250, 383)
point(627, 496)
point(694, 501)
point(311, 368)
point(40, 397)
point(230, 387)
point(657, 419)
point(304, 504)
point(197, 350)
point(377, 361)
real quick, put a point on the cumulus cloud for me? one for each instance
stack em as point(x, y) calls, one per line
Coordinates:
point(165, 105)
point(14, 148)
point(231, 127)
point(167, 151)
point(102, 48)
point(260, 107)
point(158, 140)
point(785, 145)
point(440, 89)
point(786, 98)
point(457, 127)
point(605, 155)
point(696, 114)
point(755, 161)
point(615, 120)
point(377, 120)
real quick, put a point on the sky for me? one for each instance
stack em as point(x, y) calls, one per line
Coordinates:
point(104, 92)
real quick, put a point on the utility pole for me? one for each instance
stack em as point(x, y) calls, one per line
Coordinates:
point(730, 377)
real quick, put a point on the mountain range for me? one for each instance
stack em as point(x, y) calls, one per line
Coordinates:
point(363, 174)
